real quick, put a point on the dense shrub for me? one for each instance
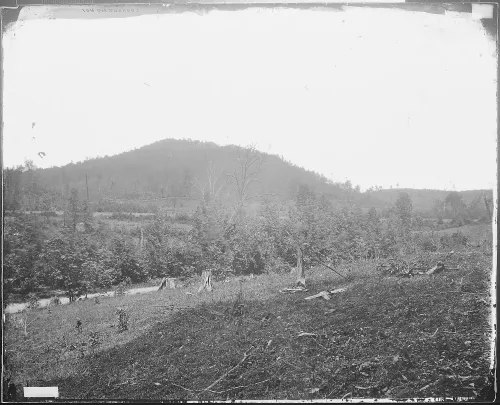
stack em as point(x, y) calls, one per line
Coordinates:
point(182, 217)
point(124, 260)
point(223, 239)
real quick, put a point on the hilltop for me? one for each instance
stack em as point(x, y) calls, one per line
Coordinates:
point(172, 169)
point(168, 167)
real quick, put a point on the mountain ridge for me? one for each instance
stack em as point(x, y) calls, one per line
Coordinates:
point(170, 168)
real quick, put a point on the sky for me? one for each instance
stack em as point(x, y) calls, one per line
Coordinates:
point(378, 96)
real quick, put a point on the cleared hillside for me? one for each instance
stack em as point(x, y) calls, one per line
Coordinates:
point(383, 337)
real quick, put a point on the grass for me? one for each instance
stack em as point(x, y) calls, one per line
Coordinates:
point(384, 337)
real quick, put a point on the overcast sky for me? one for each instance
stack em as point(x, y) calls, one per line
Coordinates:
point(378, 96)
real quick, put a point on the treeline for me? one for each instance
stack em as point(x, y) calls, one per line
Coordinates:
point(460, 206)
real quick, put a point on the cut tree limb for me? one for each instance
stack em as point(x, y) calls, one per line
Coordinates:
point(293, 290)
point(323, 294)
point(245, 356)
point(437, 268)
point(338, 290)
point(327, 266)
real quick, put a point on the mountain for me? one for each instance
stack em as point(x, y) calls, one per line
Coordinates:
point(167, 168)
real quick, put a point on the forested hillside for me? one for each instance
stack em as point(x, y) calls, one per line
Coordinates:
point(169, 170)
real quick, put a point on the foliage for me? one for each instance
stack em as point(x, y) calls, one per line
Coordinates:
point(221, 237)
point(32, 300)
point(454, 203)
point(403, 209)
point(123, 318)
point(73, 209)
point(124, 261)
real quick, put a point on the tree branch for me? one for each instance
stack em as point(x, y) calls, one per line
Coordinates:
point(245, 356)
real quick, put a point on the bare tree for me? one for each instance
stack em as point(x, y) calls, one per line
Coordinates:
point(210, 189)
point(248, 168)
point(99, 179)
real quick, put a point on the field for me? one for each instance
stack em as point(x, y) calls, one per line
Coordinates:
point(476, 233)
point(383, 337)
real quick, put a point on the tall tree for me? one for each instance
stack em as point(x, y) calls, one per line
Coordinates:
point(187, 182)
point(248, 168)
point(87, 215)
point(31, 184)
point(373, 217)
point(403, 209)
point(455, 203)
point(13, 188)
point(488, 203)
point(74, 208)
point(210, 188)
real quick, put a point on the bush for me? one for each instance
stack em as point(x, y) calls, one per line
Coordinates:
point(182, 217)
point(124, 260)
point(123, 319)
point(33, 302)
point(454, 240)
point(121, 216)
point(427, 243)
point(120, 290)
point(277, 265)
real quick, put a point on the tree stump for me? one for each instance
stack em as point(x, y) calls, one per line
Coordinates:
point(206, 279)
point(162, 284)
point(301, 275)
point(167, 281)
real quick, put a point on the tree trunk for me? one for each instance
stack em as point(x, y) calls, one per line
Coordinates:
point(488, 207)
point(301, 276)
point(163, 284)
point(206, 278)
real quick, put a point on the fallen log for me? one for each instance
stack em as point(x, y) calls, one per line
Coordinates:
point(293, 290)
point(323, 294)
point(338, 290)
point(436, 269)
